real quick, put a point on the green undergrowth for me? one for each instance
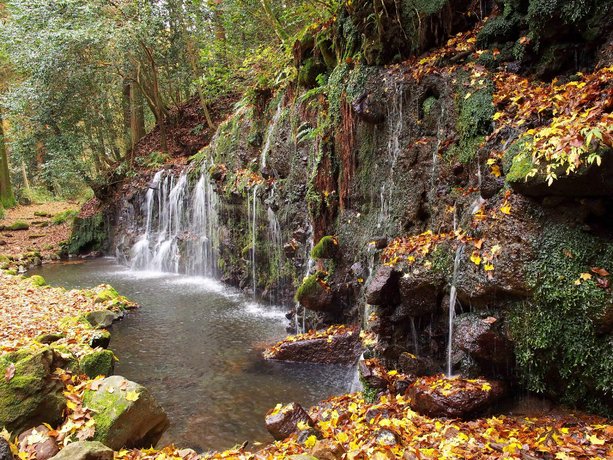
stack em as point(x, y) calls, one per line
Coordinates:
point(326, 248)
point(560, 349)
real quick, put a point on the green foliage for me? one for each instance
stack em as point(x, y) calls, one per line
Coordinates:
point(64, 217)
point(558, 349)
point(154, 160)
point(326, 248)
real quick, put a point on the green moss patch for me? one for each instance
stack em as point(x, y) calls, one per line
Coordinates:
point(326, 248)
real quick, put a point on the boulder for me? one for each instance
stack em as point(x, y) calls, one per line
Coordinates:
point(85, 450)
point(416, 366)
point(98, 362)
point(126, 414)
point(383, 288)
point(372, 375)
point(101, 339)
point(342, 348)
point(32, 395)
point(315, 294)
point(100, 319)
point(283, 421)
point(38, 443)
point(5, 450)
point(419, 294)
point(481, 337)
point(453, 398)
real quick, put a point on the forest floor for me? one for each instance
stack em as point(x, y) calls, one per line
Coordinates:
point(48, 225)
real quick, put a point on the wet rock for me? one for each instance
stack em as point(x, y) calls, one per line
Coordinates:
point(419, 294)
point(357, 270)
point(85, 450)
point(282, 422)
point(5, 450)
point(100, 319)
point(38, 443)
point(92, 255)
point(383, 289)
point(379, 242)
point(342, 348)
point(315, 295)
point(482, 338)
point(417, 366)
point(376, 411)
point(490, 186)
point(32, 396)
point(369, 109)
point(290, 249)
point(100, 339)
point(126, 414)
point(327, 449)
point(371, 375)
point(454, 398)
point(47, 339)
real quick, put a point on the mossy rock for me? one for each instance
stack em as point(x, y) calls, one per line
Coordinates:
point(106, 295)
point(327, 248)
point(100, 339)
point(100, 319)
point(49, 338)
point(37, 280)
point(19, 225)
point(11, 272)
point(97, 363)
point(314, 293)
point(88, 234)
point(126, 414)
point(32, 396)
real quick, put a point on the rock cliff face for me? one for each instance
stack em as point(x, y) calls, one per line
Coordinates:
point(431, 197)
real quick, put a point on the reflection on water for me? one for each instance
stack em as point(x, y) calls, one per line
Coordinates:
point(196, 344)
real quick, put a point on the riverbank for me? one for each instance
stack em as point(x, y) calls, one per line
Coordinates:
point(32, 234)
point(355, 426)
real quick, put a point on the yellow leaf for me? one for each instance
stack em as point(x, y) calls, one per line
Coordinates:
point(302, 425)
point(506, 209)
point(563, 456)
point(467, 95)
point(132, 396)
point(342, 437)
point(488, 267)
point(497, 115)
point(585, 276)
point(475, 258)
point(392, 373)
point(595, 440)
point(496, 171)
point(310, 442)
point(495, 249)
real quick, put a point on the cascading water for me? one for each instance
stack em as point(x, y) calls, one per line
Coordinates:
point(178, 221)
point(270, 134)
point(275, 238)
point(252, 213)
point(453, 295)
point(396, 115)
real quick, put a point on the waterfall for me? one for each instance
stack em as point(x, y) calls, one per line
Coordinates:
point(275, 238)
point(252, 214)
point(414, 336)
point(178, 221)
point(272, 127)
point(355, 384)
point(396, 117)
point(308, 266)
point(453, 295)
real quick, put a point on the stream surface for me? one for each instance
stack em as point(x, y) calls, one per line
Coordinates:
point(196, 345)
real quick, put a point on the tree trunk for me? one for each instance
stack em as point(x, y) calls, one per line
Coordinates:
point(137, 115)
point(7, 198)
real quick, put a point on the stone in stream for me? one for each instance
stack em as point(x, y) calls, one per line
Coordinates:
point(126, 414)
point(282, 422)
point(5, 450)
point(32, 395)
point(342, 348)
point(38, 443)
point(455, 397)
point(85, 450)
point(100, 319)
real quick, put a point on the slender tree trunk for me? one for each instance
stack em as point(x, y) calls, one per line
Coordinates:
point(274, 20)
point(7, 198)
point(191, 53)
point(137, 115)
point(160, 110)
point(24, 173)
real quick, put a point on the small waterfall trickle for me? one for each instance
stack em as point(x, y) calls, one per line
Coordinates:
point(414, 337)
point(396, 117)
point(270, 134)
point(252, 213)
point(308, 267)
point(179, 223)
point(453, 295)
point(355, 384)
point(275, 238)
